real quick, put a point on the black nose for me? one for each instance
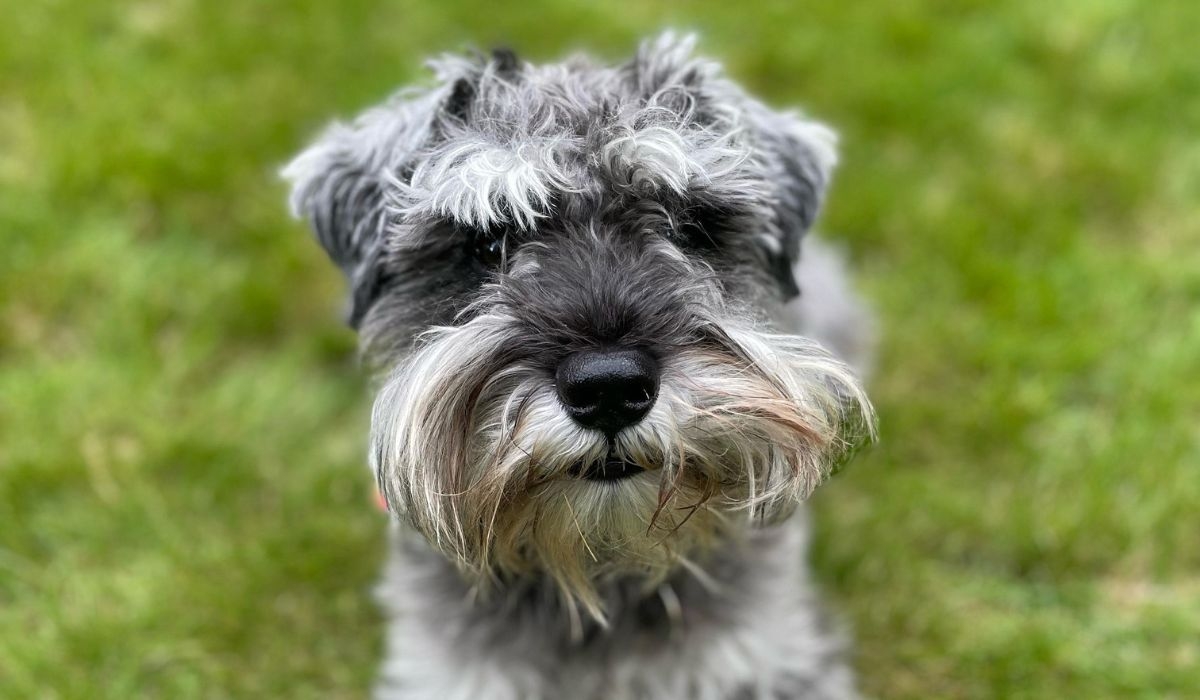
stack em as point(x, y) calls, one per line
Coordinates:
point(608, 389)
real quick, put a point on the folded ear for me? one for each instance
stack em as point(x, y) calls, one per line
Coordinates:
point(339, 185)
point(800, 156)
point(344, 184)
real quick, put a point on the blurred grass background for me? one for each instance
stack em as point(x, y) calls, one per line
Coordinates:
point(183, 500)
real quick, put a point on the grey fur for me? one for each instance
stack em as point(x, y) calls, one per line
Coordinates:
point(513, 214)
point(751, 627)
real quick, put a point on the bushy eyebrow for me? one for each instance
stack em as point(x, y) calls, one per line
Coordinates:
point(480, 183)
point(665, 158)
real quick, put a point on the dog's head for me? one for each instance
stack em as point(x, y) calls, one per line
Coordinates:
point(568, 271)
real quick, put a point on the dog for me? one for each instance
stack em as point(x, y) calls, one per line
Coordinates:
point(602, 396)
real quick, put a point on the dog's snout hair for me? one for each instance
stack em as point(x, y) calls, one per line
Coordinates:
point(572, 278)
point(606, 289)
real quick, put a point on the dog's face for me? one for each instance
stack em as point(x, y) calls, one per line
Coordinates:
point(569, 272)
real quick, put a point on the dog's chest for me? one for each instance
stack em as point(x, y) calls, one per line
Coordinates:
point(749, 630)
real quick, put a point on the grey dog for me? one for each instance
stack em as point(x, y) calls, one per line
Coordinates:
point(602, 396)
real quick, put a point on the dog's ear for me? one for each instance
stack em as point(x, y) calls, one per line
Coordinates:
point(800, 156)
point(344, 183)
point(665, 69)
point(465, 74)
point(339, 184)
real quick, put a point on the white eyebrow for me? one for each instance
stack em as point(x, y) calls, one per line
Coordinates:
point(663, 156)
point(481, 183)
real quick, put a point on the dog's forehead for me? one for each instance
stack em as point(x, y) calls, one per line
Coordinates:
point(571, 130)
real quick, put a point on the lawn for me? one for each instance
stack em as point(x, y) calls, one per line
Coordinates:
point(184, 506)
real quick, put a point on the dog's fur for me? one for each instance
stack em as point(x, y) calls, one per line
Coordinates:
point(513, 214)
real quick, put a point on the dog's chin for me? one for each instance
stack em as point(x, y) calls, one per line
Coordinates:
point(607, 522)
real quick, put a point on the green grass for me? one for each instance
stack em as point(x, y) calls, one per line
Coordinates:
point(183, 501)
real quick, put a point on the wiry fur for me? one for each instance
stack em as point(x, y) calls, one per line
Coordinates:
point(650, 205)
point(747, 627)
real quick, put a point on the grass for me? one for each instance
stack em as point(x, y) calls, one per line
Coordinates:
point(183, 500)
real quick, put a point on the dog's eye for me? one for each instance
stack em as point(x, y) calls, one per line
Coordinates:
point(489, 251)
point(703, 228)
point(486, 246)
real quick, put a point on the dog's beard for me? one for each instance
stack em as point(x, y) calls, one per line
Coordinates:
point(471, 445)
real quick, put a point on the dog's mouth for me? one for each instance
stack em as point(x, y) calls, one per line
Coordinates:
point(612, 468)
